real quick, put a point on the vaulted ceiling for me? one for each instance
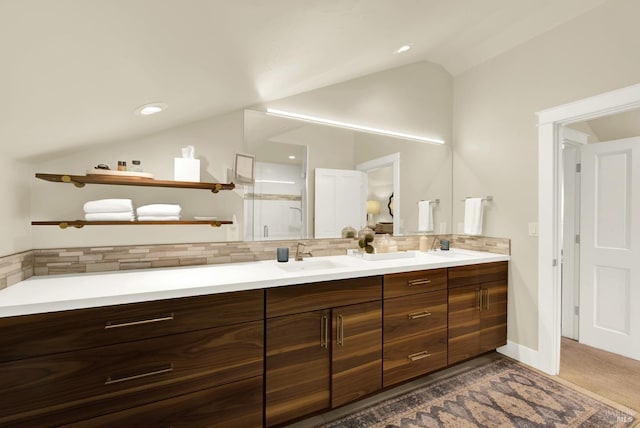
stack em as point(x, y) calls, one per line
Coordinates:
point(74, 71)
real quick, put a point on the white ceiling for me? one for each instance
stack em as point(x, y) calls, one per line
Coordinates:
point(73, 71)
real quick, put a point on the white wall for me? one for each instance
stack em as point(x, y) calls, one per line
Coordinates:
point(15, 216)
point(216, 140)
point(495, 149)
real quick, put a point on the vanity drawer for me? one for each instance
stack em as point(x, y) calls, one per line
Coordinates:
point(414, 356)
point(408, 283)
point(85, 383)
point(477, 274)
point(295, 299)
point(411, 315)
point(238, 404)
point(40, 334)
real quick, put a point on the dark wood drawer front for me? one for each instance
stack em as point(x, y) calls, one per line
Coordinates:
point(410, 315)
point(312, 297)
point(32, 335)
point(476, 274)
point(238, 404)
point(414, 356)
point(408, 283)
point(125, 375)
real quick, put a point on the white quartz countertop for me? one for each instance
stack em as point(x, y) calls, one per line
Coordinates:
point(41, 294)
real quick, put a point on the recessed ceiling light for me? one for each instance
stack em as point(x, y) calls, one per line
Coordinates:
point(403, 48)
point(151, 108)
point(292, 157)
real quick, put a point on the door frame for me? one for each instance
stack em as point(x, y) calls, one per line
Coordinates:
point(570, 289)
point(550, 121)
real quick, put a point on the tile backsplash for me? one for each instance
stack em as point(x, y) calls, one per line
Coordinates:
point(15, 268)
point(56, 261)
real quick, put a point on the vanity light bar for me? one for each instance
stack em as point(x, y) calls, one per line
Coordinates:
point(298, 116)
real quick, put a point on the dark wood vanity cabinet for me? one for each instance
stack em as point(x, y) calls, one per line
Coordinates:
point(477, 309)
point(246, 359)
point(323, 346)
point(415, 324)
point(122, 364)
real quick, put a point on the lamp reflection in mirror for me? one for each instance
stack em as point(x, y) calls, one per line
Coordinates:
point(373, 208)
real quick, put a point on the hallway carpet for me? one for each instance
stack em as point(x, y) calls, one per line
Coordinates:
point(502, 393)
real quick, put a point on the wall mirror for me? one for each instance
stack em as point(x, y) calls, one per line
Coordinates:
point(282, 203)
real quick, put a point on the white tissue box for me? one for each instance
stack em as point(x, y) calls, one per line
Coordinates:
point(185, 169)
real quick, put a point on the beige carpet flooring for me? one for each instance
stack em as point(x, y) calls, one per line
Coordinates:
point(609, 375)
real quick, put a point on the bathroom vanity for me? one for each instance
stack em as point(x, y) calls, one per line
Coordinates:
point(249, 344)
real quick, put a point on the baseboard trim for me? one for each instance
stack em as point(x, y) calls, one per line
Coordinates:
point(521, 353)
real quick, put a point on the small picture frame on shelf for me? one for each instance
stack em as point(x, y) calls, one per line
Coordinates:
point(244, 168)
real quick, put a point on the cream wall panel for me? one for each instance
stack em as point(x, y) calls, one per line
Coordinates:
point(15, 230)
point(495, 135)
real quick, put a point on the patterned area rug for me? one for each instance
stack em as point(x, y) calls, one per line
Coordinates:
point(499, 394)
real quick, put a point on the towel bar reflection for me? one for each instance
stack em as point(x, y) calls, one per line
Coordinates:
point(435, 201)
point(486, 198)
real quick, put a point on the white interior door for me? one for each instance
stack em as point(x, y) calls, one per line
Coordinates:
point(610, 237)
point(340, 201)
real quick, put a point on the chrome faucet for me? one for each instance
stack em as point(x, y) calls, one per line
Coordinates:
point(301, 254)
point(434, 243)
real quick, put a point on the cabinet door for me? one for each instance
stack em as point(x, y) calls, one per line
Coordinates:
point(298, 371)
point(493, 319)
point(464, 323)
point(356, 352)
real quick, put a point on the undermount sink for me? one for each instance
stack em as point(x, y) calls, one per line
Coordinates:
point(453, 253)
point(307, 264)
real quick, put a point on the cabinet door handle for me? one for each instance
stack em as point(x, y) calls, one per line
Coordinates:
point(324, 332)
point(419, 355)
point(417, 315)
point(418, 282)
point(114, 379)
point(112, 324)
point(485, 294)
point(340, 338)
point(478, 298)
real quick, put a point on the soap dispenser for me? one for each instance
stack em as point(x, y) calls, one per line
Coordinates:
point(424, 243)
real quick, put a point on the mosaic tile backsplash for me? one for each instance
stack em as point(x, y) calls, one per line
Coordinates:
point(15, 268)
point(57, 261)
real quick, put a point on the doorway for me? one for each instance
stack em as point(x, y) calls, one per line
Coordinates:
point(550, 121)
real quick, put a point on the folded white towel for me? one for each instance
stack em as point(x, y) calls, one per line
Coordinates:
point(127, 216)
point(159, 210)
point(473, 216)
point(425, 216)
point(158, 217)
point(109, 206)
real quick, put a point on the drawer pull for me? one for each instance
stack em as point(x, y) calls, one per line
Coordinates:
point(419, 355)
point(417, 315)
point(111, 324)
point(111, 379)
point(418, 282)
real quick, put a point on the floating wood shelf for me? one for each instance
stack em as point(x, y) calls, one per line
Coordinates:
point(78, 224)
point(81, 180)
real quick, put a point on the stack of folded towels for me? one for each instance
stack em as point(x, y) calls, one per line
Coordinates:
point(159, 212)
point(109, 210)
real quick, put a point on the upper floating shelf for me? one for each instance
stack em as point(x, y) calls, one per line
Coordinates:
point(81, 180)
